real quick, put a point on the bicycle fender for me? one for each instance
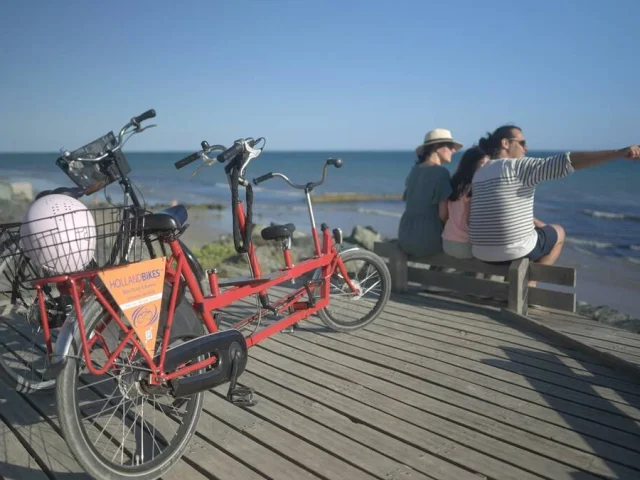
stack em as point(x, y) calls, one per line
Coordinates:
point(350, 249)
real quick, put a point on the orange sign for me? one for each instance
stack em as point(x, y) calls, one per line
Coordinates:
point(137, 289)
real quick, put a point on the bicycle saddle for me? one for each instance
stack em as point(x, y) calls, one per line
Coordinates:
point(278, 232)
point(172, 218)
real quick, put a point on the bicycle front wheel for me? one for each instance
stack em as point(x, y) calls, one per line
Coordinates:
point(118, 426)
point(349, 310)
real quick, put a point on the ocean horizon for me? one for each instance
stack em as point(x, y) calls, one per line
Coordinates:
point(598, 207)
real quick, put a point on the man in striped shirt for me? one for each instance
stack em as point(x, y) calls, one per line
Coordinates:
point(502, 226)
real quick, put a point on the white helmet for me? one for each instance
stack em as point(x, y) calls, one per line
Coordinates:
point(59, 234)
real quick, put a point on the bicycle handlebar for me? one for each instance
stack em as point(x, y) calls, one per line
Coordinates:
point(134, 122)
point(242, 146)
point(263, 178)
point(187, 160)
point(145, 116)
point(336, 162)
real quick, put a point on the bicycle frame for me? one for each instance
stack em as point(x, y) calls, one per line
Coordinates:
point(327, 259)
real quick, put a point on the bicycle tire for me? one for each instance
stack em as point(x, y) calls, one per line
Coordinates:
point(10, 376)
point(337, 324)
point(20, 383)
point(75, 433)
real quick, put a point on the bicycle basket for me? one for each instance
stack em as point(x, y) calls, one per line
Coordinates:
point(90, 176)
point(74, 241)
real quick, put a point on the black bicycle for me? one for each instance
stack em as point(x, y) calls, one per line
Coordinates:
point(91, 168)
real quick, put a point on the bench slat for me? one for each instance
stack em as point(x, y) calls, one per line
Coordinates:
point(468, 285)
point(552, 274)
point(467, 265)
point(518, 280)
point(388, 249)
point(406, 269)
point(551, 299)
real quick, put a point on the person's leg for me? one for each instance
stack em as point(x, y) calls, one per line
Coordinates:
point(548, 247)
point(552, 256)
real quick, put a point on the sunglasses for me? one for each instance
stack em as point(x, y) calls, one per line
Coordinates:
point(523, 143)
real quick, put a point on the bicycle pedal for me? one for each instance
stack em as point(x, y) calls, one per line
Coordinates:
point(290, 328)
point(276, 317)
point(242, 396)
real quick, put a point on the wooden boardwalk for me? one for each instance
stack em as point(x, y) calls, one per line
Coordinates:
point(435, 388)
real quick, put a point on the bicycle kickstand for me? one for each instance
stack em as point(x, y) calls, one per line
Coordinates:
point(239, 395)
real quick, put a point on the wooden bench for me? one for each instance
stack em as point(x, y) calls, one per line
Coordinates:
point(514, 289)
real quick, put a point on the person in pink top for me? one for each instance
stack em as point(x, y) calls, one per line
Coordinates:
point(455, 236)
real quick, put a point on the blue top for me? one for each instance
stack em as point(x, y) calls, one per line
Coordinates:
point(420, 229)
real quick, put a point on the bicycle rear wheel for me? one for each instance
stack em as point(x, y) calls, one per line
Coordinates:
point(23, 354)
point(348, 311)
point(116, 425)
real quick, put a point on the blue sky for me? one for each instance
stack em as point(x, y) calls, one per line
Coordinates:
point(317, 75)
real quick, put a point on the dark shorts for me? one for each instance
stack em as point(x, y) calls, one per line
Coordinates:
point(547, 239)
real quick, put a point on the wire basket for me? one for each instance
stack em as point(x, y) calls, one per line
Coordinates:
point(91, 176)
point(72, 242)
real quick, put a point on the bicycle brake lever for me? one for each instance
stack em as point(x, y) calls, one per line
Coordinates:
point(195, 172)
point(140, 130)
point(206, 162)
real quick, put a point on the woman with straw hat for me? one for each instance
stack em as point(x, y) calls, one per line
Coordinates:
point(427, 189)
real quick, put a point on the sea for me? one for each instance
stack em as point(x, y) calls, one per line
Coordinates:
point(599, 207)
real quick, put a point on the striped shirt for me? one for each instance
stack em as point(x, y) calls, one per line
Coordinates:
point(501, 220)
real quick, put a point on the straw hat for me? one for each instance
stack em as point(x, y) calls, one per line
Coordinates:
point(437, 135)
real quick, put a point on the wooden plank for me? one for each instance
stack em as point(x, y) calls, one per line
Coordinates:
point(430, 442)
point(588, 326)
point(481, 320)
point(389, 453)
point(15, 460)
point(512, 386)
point(462, 342)
point(536, 353)
point(386, 249)
point(606, 388)
point(195, 459)
point(194, 463)
point(481, 436)
point(459, 283)
point(199, 456)
point(398, 270)
point(46, 443)
point(181, 468)
point(518, 293)
point(614, 361)
point(594, 331)
point(284, 444)
point(441, 377)
point(540, 437)
point(523, 375)
point(552, 299)
point(552, 274)
point(465, 265)
point(244, 449)
point(494, 331)
point(614, 339)
point(631, 354)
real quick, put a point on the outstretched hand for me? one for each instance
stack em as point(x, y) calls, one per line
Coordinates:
point(632, 152)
